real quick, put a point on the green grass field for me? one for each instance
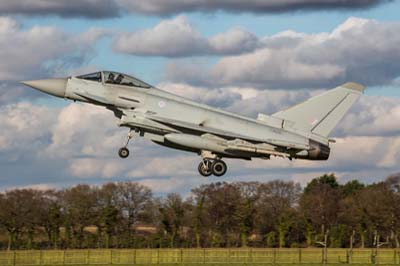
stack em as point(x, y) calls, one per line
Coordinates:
point(201, 257)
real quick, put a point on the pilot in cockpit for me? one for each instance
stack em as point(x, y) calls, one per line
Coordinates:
point(119, 79)
point(110, 79)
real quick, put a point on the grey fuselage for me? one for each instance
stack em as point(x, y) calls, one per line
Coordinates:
point(170, 113)
point(301, 131)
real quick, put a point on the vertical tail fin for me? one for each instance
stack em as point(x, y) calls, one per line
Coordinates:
point(320, 114)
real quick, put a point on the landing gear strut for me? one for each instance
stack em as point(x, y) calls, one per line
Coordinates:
point(215, 167)
point(124, 151)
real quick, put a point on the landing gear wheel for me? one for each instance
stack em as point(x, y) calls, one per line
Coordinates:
point(123, 152)
point(219, 168)
point(205, 168)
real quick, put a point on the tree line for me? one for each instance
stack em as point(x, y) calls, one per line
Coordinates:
point(240, 214)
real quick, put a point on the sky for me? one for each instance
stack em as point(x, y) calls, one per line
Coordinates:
point(248, 57)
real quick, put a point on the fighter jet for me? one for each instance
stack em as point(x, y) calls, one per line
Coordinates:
point(299, 132)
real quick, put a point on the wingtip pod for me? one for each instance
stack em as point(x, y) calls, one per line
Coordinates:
point(354, 86)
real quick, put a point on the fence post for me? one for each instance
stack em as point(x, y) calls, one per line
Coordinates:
point(15, 257)
point(274, 256)
point(87, 257)
point(63, 258)
point(204, 256)
point(41, 257)
point(375, 256)
point(397, 256)
point(111, 256)
point(299, 255)
point(351, 256)
point(326, 248)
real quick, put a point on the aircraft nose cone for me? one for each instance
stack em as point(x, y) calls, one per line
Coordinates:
point(54, 87)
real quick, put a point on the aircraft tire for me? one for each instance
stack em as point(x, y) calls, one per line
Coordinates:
point(203, 170)
point(123, 152)
point(219, 168)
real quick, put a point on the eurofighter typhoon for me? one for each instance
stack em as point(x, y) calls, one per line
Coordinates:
point(299, 132)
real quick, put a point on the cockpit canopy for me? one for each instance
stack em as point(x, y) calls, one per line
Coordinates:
point(115, 78)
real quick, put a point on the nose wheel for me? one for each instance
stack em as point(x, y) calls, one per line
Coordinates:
point(123, 152)
point(215, 167)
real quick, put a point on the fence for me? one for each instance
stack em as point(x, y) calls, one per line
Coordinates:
point(201, 257)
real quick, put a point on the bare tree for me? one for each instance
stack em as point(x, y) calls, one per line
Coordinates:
point(135, 201)
point(276, 204)
point(18, 214)
point(80, 209)
point(172, 211)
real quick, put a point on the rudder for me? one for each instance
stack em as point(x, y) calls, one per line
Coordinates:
point(322, 113)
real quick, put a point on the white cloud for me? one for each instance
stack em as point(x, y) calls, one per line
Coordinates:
point(9, 92)
point(166, 166)
point(175, 37)
point(373, 116)
point(359, 50)
point(268, 68)
point(86, 130)
point(23, 54)
point(22, 126)
point(234, 41)
point(178, 37)
point(87, 168)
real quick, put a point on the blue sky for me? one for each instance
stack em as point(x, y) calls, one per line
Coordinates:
point(229, 56)
point(209, 24)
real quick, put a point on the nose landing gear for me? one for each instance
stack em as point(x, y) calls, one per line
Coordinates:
point(124, 151)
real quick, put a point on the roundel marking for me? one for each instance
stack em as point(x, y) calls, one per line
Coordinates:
point(161, 104)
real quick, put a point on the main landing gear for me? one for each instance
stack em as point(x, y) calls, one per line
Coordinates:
point(215, 167)
point(124, 151)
